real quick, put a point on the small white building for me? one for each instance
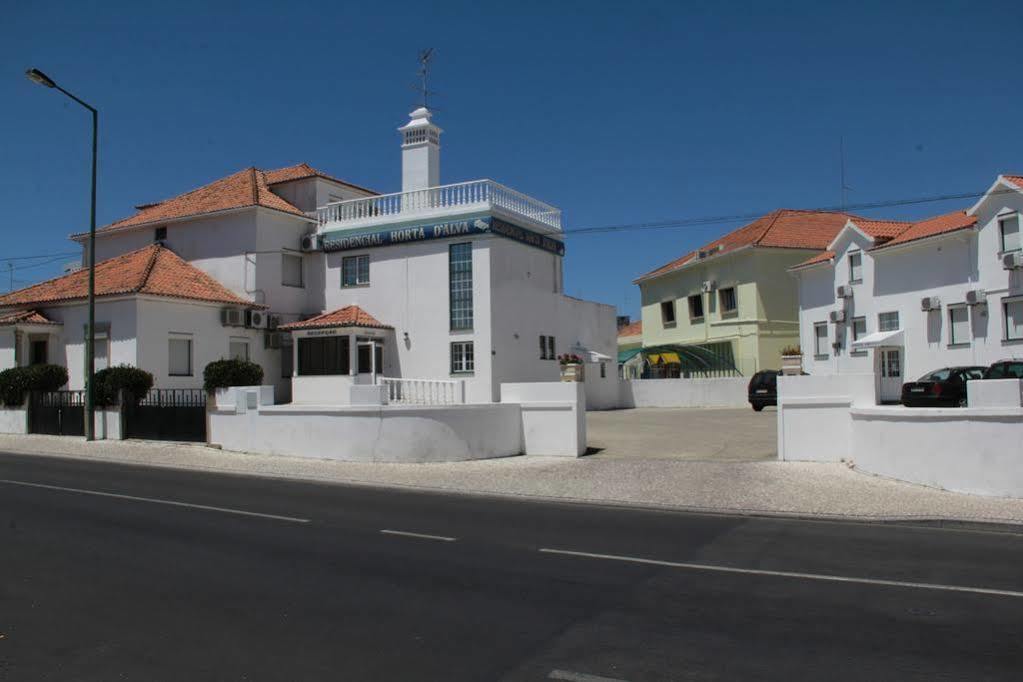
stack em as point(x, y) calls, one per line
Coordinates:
point(900, 299)
point(462, 283)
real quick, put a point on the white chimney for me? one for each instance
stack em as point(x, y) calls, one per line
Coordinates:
point(420, 152)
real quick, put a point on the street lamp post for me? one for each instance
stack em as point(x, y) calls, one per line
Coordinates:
point(38, 76)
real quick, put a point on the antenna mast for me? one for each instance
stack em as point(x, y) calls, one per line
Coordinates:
point(424, 74)
point(841, 162)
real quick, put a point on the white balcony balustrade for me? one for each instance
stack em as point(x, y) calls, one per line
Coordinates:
point(423, 391)
point(460, 198)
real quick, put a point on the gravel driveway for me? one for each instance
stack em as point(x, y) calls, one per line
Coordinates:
point(721, 435)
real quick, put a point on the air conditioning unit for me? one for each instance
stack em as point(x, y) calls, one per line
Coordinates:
point(709, 285)
point(837, 316)
point(273, 322)
point(256, 319)
point(232, 317)
point(844, 291)
point(310, 242)
point(1013, 261)
point(928, 303)
point(274, 339)
point(976, 296)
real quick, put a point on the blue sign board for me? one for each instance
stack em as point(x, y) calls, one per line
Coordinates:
point(338, 241)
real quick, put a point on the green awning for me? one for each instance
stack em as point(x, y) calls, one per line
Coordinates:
point(626, 355)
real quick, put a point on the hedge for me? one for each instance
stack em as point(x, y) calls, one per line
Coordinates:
point(225, 373)
point(17, 381)
point(110, 381)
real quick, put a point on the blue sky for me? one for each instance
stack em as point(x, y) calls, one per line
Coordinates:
point(617, 113)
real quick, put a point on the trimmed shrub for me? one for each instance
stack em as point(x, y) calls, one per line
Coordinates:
point(17, 381)
point(110, 381)
point(225, 373)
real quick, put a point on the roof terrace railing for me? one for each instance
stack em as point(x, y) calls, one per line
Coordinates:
point(463, 196)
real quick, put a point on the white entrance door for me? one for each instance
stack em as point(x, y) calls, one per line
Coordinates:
point(890, 373)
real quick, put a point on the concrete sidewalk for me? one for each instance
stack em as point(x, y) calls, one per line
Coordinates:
point(801, 489)
point(765, 487)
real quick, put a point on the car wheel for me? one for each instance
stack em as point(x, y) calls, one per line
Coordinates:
point(757, 407)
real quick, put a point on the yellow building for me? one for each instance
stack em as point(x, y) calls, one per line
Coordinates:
point(731, 306)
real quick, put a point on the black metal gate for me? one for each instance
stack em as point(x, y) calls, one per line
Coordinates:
point(57, 413)
point(167, 414)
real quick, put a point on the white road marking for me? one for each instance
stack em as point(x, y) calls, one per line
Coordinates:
point(418, 535)
point(789, 574)
point(172, 503)
point(579, 677)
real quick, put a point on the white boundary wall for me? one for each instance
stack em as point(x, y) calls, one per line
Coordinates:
point(13, 420)
point(553, 416)
point(976, 449)
point(720, 392)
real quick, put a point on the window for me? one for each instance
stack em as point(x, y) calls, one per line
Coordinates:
point(38, 351)
point(238, 349)
point(101, 350)
point(603, 370)
point(820, 339)
point(859, 328)
point(1009, 229)
point(325, 355)
point(696, 307)
point(287, 360)
point(543, 347)
point(547, 348)
point(460, 287)
point(160, 234)
point(369, 352)
point(855, 267)
point(550, 349)
point(291, 270)
point(888, 322)
point(179, 356)
point(667, 314)
point(462, 357)
point(958, 324)
point(1013, 312)
point(354, 271)
point(726, 297)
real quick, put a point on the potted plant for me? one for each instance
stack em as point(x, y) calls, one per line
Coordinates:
point(791, 361)
point(571, 367)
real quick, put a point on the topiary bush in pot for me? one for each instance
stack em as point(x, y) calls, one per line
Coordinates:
point(109, 382)
point(17, 381)
point(226, 373)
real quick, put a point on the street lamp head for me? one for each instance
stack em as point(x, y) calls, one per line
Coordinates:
point(39, 77)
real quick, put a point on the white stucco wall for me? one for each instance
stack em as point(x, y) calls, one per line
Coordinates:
point(553, 416)
point(13, 420)
point(813, 415)
point(721, 392)
point(7, 352)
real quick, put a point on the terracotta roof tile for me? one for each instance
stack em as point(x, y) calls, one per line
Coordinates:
point(349, 316)
point(303, 170)
point(154, 270)
point(1015, 179)
point(634, 329)
point(949, 222)
point(25, 317)
point(784, 228)
point(242, 189)
point(819, 258)
point(882, 229)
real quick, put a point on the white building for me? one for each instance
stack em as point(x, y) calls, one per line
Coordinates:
point(456, 283)
point(900, 299)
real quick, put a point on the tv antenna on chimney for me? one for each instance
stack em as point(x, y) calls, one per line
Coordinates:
point(424, 74)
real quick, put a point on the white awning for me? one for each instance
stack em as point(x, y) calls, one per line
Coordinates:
point(877, 339)
point(588, 355)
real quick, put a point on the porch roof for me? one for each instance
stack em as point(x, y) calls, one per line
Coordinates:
point(25, 317)
point(349, 316)
point(877, 339)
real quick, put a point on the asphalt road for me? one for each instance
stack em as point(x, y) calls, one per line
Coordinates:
point(185, 576)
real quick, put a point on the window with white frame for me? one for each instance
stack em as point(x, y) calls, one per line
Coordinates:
point(859, 328)
point(462, 360)
point(727, 299)
point(855, 267)
point(547, 348)
point(1008, 228)
point(460, 286)
point(238, 348)
point(291, 270)
point(179, 356)
point(888, 322)
point(667, 314)
point(820, 339)
point(354, 271)
point(1012, 310)
point(696, 308)
point(958, 324)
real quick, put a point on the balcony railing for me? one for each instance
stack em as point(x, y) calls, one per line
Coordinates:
point(423, 391)
point(460, 197)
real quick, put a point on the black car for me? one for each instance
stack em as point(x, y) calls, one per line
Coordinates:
point(1005, 369)
point(763, 389)
point(944, 387)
